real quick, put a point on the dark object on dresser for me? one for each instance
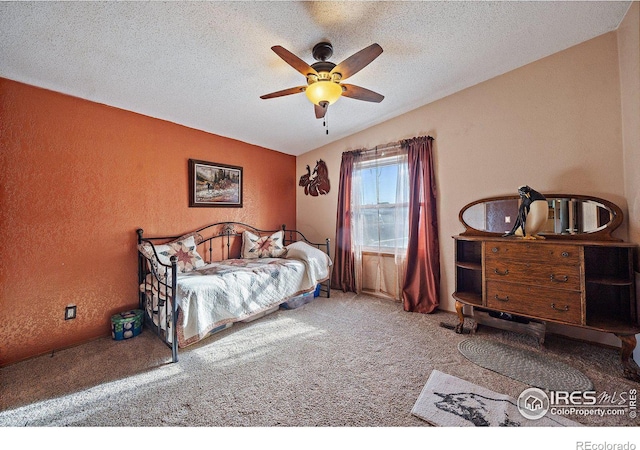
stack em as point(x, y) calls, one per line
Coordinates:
point(533, 206)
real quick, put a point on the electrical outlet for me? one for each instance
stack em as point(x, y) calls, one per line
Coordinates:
point(70, 312)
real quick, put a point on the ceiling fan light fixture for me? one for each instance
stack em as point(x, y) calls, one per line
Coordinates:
point(324, 78)
point(323, 91)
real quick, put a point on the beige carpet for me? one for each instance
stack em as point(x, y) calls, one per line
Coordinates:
point(354, 361)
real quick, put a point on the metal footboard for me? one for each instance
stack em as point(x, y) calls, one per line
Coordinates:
point(157, 284)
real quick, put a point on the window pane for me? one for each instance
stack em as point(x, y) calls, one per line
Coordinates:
point(387, 182)
point(368, 183)
point(377, 212)
point(369, 219)
point(379, 227)
point(379, 184)
point(387, 226)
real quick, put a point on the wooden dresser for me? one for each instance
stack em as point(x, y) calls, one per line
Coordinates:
point(582, 283)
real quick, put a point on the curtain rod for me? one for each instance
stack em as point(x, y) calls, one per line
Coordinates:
point(385, 146)
point(390, 145)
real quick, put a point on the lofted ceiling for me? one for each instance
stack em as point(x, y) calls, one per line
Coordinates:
point(206, 64)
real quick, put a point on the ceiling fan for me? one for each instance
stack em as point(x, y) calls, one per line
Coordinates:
point(324, 78)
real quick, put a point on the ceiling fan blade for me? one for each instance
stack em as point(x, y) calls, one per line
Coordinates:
point(357, 61)
point(282, 93)
point(295, 62)
point(321, 110)
point(360, 93)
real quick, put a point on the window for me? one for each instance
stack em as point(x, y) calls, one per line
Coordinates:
point(373, 249)
point(381, 195)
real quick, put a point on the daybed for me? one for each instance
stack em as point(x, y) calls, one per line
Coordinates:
point(224, 273)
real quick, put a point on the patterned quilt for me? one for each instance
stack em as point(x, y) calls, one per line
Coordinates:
point(232, 290)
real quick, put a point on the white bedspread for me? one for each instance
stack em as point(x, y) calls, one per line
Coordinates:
point(235, 289)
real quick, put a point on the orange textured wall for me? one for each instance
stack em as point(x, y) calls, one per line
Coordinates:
point(76, 180)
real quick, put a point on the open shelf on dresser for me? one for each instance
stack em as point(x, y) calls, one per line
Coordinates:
point(469, 272)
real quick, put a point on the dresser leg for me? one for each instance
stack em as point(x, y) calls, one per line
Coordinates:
point(631, 369)
point(460, 326)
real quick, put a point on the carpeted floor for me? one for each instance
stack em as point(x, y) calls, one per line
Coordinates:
point(347, 361)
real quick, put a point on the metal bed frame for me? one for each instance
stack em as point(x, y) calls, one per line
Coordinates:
point(206, 237)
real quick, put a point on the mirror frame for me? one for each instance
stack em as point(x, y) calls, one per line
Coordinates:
point(603, 234)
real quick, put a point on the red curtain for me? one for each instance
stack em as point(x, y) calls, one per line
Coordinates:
point(421, 288)
point(343, 275)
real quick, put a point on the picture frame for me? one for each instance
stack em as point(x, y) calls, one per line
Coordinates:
point(214, 184)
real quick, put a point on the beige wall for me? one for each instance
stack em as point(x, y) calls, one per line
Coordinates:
point(629, 60)
point(554, 124)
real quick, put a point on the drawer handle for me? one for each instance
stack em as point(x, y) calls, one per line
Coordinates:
point(506, 299)
point(565, 309)
point(562, 279)
point(497, 272)
point(565, 254)
point(494, 249)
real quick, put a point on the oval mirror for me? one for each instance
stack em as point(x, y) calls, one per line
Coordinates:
point(570, 216)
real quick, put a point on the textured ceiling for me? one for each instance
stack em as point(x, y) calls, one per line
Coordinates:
point(205, 64)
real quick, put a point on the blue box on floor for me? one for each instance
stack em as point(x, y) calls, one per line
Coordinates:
point(297, 302)
point(126, 324)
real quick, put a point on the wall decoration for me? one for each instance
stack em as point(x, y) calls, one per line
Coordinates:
point(317, 182)
point(213, 184)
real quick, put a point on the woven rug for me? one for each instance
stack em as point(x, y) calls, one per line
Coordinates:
point(533, 368)
point(448, 401)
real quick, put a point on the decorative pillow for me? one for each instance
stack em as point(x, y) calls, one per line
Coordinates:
point(184, 248)
point(254, 246)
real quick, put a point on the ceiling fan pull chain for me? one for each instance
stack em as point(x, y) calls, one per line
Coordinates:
point(326, 122)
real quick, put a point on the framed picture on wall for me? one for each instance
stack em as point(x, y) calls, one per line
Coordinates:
point(214, 185)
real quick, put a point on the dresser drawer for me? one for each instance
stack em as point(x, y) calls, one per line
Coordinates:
point(551, 304)
point(533, 252)
point(558, 277)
